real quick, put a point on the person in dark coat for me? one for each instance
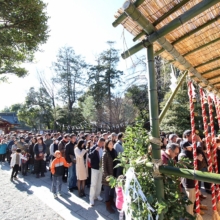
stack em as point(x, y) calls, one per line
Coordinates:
point(31, 152)
point(108, 164)
point(39, 163)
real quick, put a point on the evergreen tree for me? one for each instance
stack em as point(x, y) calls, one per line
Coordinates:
point(109, 60)
point(70, 75)
point(177, 118)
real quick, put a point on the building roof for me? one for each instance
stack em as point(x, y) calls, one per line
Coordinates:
point(10, 117)
point(184, 32)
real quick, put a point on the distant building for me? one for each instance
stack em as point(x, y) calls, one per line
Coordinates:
point(9, 122)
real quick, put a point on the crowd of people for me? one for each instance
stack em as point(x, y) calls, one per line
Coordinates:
point(80, 160)
point(89, 159)
point(176, 148)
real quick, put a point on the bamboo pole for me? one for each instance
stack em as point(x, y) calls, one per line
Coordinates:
point(180, 20)
point(154, 121)
point(168, 103)
point(124, 15)
point(187, 173)
point(164, 16)
point(149, 28)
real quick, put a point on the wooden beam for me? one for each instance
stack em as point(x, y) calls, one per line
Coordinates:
point(211, 70)
point(210, 61)
point(214, 77)
point(201, 47)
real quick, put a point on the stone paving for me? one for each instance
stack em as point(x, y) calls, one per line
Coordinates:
point(30, 198)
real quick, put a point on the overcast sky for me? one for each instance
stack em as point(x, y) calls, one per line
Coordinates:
point(86, 25)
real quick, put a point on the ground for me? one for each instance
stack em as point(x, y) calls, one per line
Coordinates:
point(30, 198)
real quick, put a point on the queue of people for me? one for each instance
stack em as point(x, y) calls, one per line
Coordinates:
point(80, 160)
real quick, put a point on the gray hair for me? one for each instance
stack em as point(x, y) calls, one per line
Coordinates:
point(172, 146)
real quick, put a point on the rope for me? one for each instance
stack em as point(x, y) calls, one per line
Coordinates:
point(215, 151)
point(190, 93)
point(204, 116)
point(155, 140)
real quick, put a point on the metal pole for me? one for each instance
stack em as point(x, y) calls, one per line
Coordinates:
point(168, 103)
point(154, 121)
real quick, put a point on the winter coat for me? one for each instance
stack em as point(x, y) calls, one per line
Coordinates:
point(81, 164)
point(13, 159)
point(36, 151)
point(3, 148)
point(108, 165)
point(57, 166)
point(119, 198)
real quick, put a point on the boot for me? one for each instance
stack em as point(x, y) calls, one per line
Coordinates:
point(111, 199)
point(109, 207)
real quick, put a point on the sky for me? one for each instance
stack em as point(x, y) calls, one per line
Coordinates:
point(85, 25)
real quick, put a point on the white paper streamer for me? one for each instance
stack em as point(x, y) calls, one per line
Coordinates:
point(137, 194)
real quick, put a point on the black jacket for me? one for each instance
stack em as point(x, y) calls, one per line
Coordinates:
point(187, 183)
point(36, 151)
point(69, 150)
point(94, 157)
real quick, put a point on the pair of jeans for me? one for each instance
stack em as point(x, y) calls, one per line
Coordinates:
point(72, 176)
point(24, 168)
point(15, 170)
point(56, 184)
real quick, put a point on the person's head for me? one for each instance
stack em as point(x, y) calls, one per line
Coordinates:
point(30, 134)
point(39, 140)
point(95, 138)
point(163, 140)
point(120, 136)
point(178, 140)
point(21, 139)
point(113, 136)
point(105, 136)
point(81, 144)
point(34, 140)
point(188, 135)
point(89, 144)
point(66, 137)
point(48, 136)
point(18, 150)
point(3, 141)
point(57, 154)
point(73, 138)
point(172, 149)
point(87, 136)
point(108, 145)
point(172, 138)
point(101, 142)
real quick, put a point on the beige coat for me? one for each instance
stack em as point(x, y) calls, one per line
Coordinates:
point(81, 164)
